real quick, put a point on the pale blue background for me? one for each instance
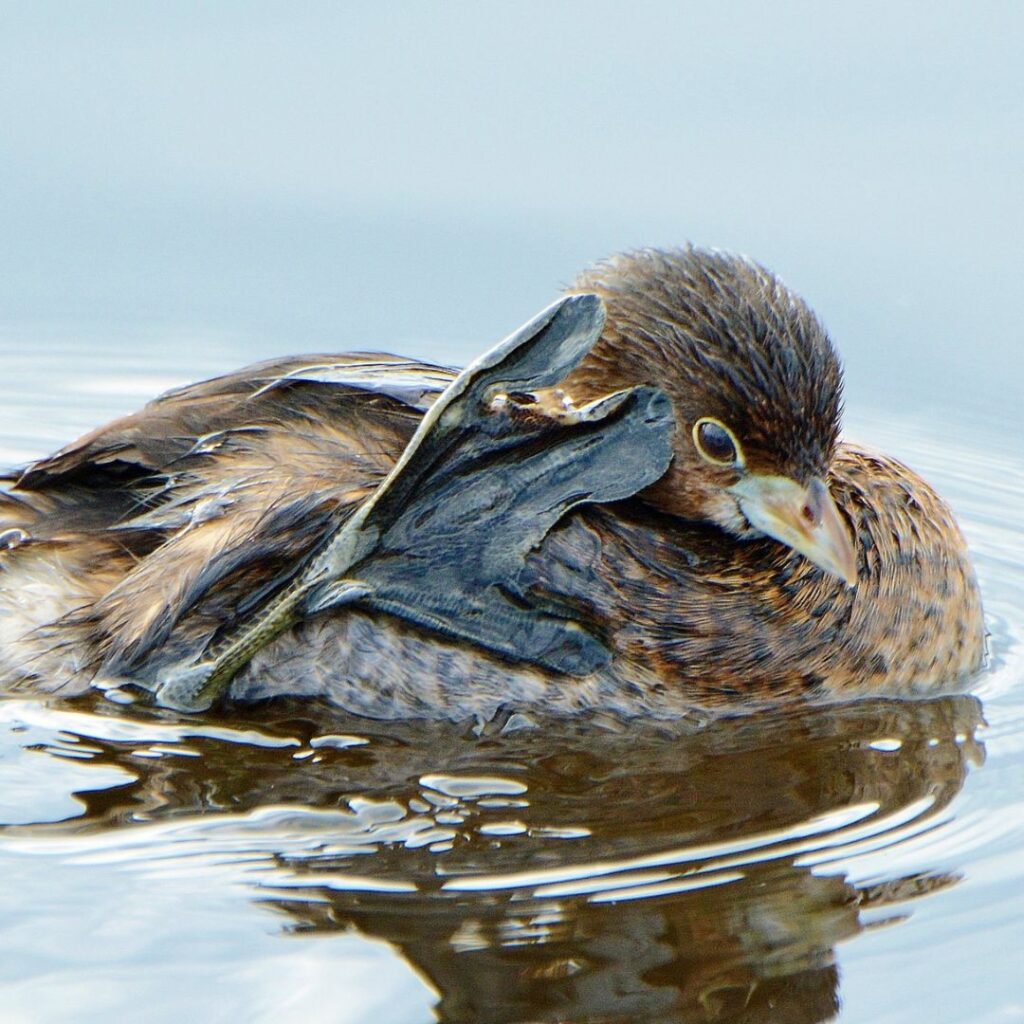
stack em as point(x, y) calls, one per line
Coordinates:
point(424, 176)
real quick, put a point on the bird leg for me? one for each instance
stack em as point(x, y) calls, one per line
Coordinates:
point(488, 473)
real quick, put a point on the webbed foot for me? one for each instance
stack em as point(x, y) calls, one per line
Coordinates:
point(442, 541)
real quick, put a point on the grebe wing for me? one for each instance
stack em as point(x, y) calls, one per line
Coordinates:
point(170, 426)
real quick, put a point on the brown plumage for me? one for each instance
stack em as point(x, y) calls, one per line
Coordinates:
point(147, 537)
point(725, 339)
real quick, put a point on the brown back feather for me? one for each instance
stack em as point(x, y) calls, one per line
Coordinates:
point(218, 489)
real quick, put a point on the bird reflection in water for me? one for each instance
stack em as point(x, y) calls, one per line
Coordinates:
point(568, 874)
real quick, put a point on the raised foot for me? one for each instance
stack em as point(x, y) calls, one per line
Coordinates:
point(444, 539)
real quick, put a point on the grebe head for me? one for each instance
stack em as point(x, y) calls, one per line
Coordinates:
point(755, 383)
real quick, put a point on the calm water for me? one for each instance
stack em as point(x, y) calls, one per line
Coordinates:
point(288, 864)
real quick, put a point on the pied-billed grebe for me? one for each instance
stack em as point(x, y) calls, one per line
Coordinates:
point(770, 561)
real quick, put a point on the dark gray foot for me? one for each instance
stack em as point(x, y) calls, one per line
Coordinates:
point(443, 540)
point(450, 560)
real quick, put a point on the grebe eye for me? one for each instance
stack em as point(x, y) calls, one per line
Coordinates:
point(715, 442)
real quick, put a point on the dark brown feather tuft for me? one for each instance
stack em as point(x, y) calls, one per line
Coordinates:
point(723, 330)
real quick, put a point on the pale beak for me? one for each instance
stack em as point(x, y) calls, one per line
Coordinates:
point(803, 518)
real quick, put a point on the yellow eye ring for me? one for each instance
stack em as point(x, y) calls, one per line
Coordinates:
point(716, 443)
